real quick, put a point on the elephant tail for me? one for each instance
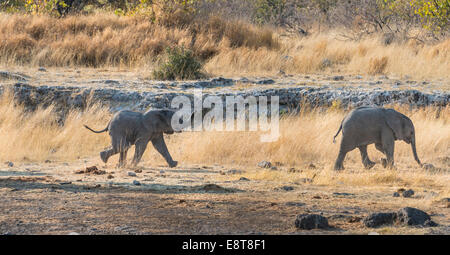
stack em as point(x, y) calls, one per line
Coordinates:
point(334, 138)
point(101, 131)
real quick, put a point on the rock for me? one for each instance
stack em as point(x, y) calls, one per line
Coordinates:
point(265, 164)
point(64, 97)
point(234, 171)
point(408, 193)
point(9, 163)
point(91, 170)
point(110, 176)
point(396, 194)
point(222, 81)
point(213, 188)
point(312, 166)
point(294, 204)
point(287, 188)
point(273, 168)
point(244, 179)
point(137, 183)
point(311, 221)
point(378, 219)
point(412, 216)
point(266, 81)
point(132, 174)
point(162, 171)
point(12, 76)
point(138, 171)
point(42, 69)
point(342, 194)
point(338, 78)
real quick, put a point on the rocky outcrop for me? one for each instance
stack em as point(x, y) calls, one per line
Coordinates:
point(289, 97)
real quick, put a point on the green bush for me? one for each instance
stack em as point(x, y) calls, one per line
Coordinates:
point(180, 65)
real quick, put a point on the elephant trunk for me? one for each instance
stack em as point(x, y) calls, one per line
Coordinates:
point(413, 147)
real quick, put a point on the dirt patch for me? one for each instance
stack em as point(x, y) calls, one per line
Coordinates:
point(91, 170)
point(213, 188)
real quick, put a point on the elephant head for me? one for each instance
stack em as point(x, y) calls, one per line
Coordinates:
point(403, 129)
point(159, 121)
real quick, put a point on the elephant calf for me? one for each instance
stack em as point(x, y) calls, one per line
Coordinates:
point(368, 125)
point(129, 128)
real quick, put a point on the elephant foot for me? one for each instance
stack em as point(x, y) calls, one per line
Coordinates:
point(338, 167)
point(369, 164)
point(387, 165)
point(173, 164)
point(103, 156)
point(384, 162)
point(121, 165)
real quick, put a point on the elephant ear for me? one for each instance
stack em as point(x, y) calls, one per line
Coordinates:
point(165, 119)
point(158, 121)
point(396, 122)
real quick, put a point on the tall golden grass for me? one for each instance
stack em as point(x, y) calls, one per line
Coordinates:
point(34, 137)
point(305, 138)
point(228, 47)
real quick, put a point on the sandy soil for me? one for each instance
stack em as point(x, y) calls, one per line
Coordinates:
point(52, 198)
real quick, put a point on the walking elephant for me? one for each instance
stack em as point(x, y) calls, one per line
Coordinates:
point(128, 128)
point(373, 125)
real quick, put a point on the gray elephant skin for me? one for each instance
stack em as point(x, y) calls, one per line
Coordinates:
point(128, 128)
point(373, 125)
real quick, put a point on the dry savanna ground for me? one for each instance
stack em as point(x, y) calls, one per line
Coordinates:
point(217, 186)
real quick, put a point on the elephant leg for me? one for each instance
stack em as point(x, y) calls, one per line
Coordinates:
point(123, 158)
point(338, 165)
point(379, 147)
point(388, 144)
point(365, 158)
point(160, 146)
point(118, 145)
point(140, 147)
point(106, 154)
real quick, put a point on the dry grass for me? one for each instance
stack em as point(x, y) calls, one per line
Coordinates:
point(305, 139)
point(227, 47)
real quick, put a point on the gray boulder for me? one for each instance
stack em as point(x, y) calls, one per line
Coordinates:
point(265, 164)
point(311, 221)
point(408, 193)
point(412, 216)
point(377, 219)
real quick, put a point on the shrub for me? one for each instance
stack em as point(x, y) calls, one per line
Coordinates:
point(180, 65)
